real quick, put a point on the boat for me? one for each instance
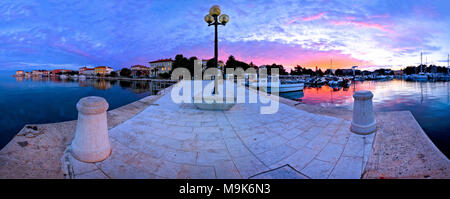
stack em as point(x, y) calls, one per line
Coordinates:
point(419, 77)
point(282, 88)
point(316, 81)
point(407, 77)
point(359, 78)
point(335, 82)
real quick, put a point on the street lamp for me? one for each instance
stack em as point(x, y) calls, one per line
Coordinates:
point(215, 19)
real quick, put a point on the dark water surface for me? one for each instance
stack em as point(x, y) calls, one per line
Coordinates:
point(46, 100)
point(429, 102)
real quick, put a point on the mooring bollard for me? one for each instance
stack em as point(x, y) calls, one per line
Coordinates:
point(363, 121)
point(91, 142)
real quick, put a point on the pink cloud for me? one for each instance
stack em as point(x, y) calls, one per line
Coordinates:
point(315, 17)
point(379, 16)
point(263, 52)
point(310, 18)
point(362, 25)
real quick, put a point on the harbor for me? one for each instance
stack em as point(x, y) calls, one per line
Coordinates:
point(305, 141)
point(276, 91)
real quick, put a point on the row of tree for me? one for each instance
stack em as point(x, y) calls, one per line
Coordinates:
point(426, 69)
point(232, 62)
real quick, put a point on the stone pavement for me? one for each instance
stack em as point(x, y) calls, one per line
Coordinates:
point(180, 141)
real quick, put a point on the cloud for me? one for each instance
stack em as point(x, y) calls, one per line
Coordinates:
point(309, 18)
point(124, 33)
point(362, 25)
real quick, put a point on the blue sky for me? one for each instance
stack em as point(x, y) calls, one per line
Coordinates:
point(118, 33)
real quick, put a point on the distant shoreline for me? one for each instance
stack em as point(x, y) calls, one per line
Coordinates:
point(107, 78)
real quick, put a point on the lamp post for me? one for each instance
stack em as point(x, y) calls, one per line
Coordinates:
point(215, 19)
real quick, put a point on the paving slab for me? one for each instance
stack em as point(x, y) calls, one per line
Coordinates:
point(191, 143)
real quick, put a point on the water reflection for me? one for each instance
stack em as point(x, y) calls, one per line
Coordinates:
point(37, 100)
point(296, 95)
point(137, 86)
point(429, 102)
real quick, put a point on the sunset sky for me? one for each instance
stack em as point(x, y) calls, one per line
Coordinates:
point(118, 33)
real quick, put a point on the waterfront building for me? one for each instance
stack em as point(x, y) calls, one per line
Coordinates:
point(36, 73)
point(27, 74)
point(140, 70)
point(61, 71)
point(103, 70)
point(45, 73)
point(86, 71)
point(20, 73)
point(161, 66)
point(398, 72)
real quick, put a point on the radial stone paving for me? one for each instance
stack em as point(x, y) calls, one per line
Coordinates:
point(180, 141)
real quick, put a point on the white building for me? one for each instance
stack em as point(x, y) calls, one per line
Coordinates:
point(161, 66)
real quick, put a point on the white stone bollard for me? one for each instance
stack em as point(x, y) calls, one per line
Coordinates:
point(363, 121)
point(91, 142)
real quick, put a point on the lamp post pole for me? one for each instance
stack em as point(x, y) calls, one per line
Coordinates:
point(216, 56)
point(213, 18)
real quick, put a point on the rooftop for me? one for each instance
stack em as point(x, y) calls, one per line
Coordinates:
point(162, 60)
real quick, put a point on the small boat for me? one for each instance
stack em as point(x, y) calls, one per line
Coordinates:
point(335, 82)
point(63, 76)
point(419, 77)
point(316, 81)
point(282, 88)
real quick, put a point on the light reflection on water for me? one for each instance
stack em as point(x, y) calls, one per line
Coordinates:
point(46, 100)
point(429, 102)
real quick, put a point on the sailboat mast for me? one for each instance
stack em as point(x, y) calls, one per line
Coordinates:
point(448, 61)
point(420, 61)
point(331, 66)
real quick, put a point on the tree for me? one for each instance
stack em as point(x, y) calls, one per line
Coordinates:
point(319, 72)
point(253, 65)
point(210, 63)
point(125, 72)
point(281, 70)
point(113, 74)
point(233, 63)
point(339, 72)
point(298, 70)
point(138, 73)
point(191, 65)
point(180, 61)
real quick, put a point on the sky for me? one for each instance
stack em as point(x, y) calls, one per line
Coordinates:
point(44, 34)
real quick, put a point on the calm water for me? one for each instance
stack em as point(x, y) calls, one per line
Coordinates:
point(429, 102)
point(45, 100)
